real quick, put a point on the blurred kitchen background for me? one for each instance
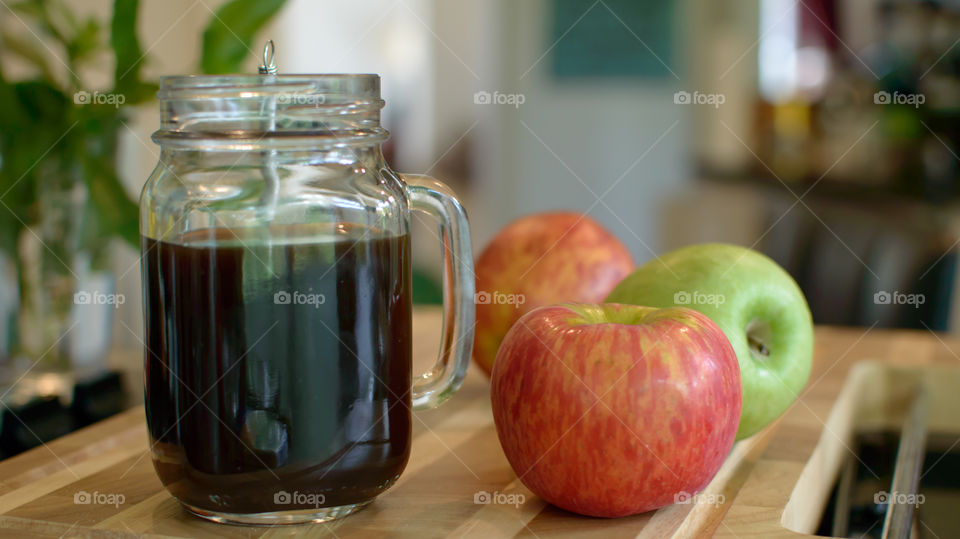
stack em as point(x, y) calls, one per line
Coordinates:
point(822, 132)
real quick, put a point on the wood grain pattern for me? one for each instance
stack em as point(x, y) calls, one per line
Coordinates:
point(765, 484)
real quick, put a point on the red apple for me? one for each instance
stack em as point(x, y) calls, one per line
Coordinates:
point(611, 410)
point(538, 260)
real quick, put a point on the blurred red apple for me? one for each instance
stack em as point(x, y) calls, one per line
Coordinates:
point(538, 260)
point(611, 410)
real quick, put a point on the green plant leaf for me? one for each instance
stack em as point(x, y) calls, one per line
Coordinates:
point(126, 47)
point(118, 214)
point(49, 21)
point(144, 91)
point(43, 104)
point(35, 124)
point(227, 39)
point(9, 117)
point(113, 213)
point(27, 51)
point(30, 8)
point(33, 118)
point(85, 42)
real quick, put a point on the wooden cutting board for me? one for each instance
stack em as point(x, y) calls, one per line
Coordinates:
point(455, 456)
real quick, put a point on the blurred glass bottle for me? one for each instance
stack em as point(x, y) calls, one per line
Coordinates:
point(796, 66)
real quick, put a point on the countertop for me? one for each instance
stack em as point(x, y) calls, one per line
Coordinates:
point(456, 455)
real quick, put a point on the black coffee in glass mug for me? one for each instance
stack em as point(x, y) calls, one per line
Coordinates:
point(277, 303)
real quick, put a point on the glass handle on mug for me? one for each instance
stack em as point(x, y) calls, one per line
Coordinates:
point(432, 197)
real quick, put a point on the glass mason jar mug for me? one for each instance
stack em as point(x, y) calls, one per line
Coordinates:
point(277, 301)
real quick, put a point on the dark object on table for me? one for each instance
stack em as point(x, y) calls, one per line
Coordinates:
point(45, 418)
point(27, 426)
point(97, 398)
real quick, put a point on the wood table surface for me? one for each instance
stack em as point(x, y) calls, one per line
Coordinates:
point(455, 455)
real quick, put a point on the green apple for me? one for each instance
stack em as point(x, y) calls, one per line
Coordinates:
point(755, 302)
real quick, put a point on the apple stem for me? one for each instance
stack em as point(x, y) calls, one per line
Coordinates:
point(758, 346)
point(758, 332)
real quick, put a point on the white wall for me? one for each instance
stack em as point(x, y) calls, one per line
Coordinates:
point(598, 129)
point(385, 37)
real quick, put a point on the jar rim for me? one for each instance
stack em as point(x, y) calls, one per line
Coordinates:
point(190, 87)
point(283, 110)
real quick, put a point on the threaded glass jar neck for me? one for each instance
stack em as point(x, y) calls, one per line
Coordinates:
point(250, 112)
